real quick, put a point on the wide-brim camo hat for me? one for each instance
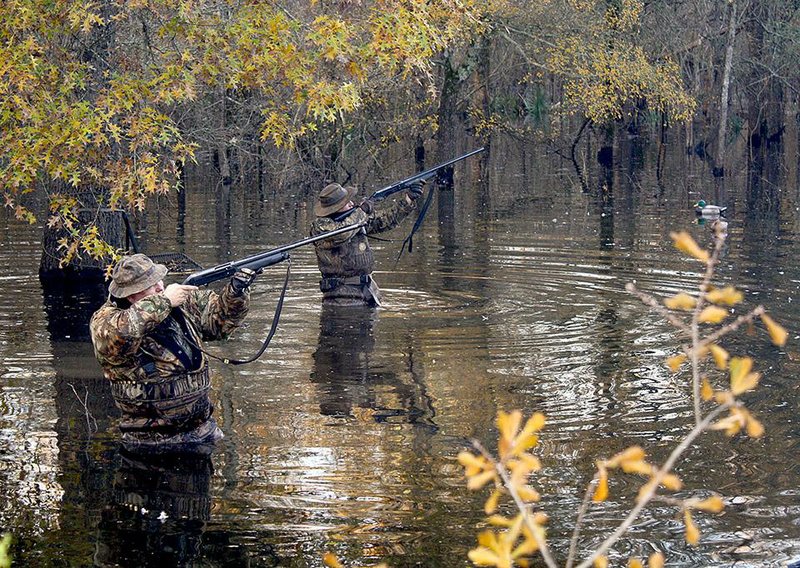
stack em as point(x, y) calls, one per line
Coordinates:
point(331, 199)
point(135, 273)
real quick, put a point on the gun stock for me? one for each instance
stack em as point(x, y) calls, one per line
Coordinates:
point(260, 261)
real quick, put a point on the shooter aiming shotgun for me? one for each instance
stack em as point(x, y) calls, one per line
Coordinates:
point(347, 263)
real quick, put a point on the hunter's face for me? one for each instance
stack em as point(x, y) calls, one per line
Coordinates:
point(156, 288)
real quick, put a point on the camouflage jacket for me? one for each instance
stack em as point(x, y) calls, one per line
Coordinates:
point(347, 256)
point(148, 350)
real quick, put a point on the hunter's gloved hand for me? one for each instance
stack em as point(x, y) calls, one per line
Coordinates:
point(414, 190)
point(242, 280)
point(367, 206)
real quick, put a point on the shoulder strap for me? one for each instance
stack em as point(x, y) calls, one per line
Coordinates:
point(273, 328)
point(164, 336)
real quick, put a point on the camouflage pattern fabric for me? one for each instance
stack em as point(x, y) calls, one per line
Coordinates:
point(162, 401)
point(344, 258)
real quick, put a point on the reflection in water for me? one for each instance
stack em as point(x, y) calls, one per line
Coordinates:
point(515, 299)
point(349, 383)
point(157, 513)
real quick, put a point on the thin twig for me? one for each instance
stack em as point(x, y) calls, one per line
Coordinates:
point(85, 404)
point(573, 545)
point(733, 326)
point(695, 325)
point(652, 302)
point(653, 484)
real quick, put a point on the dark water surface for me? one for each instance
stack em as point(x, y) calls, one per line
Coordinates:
point(343, 436)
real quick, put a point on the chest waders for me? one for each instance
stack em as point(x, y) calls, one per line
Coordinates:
point(166, 405)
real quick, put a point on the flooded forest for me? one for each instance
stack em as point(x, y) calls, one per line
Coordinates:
point(585, 354)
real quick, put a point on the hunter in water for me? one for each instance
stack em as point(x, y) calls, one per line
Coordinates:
point(346, 261)
point(148, 339)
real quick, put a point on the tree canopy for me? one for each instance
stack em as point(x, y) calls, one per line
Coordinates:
point(94, 94)
point(112, 97)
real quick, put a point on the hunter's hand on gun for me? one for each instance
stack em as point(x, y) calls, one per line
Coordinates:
point(242, 280)
point(414, 190)
point(367, 206)
point(178, 293)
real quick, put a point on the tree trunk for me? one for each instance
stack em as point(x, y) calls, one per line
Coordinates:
point(719, 162)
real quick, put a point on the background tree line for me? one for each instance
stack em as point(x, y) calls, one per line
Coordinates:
point(103, 103)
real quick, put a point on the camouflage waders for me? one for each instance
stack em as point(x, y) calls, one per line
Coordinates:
point(159, 377)
point(346, 261)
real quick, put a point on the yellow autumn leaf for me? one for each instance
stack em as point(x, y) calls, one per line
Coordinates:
point(720, 356)
point(637, 466)
point(681, 301)
point(508, 425)
point(713, 504)
point(330, 560)
point(672, 482)
point(754, 428)
point(742, 380)
point(712, 314)
point(536, 422)
point(685, 243)
point(529, 462)
point(468, 459)
point(635, 563)
point(526, 548)
point(723, 397)
point(692, 532)
point(482, 556)
point(727, 295)
point(740, 366)
point(706, 390)
point(491, 503)
point(731, 424)
point(749, 382)
point(675, 362)
point(528, 494)
point(776, 332)
point(632, 453)
point(601, 562)
point(601, 491)
point(477, 481)
point(499, 521)
point(656, 560)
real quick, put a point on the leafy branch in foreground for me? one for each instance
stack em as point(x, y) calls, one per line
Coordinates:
point(514, 541)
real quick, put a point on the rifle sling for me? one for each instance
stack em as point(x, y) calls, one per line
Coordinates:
point(417, 224)
point(273, 328)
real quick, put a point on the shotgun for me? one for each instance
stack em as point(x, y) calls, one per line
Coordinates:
point(260, 261)
point(400, 185)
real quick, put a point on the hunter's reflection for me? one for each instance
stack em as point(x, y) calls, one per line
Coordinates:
point(158, 511)
point(351, 380)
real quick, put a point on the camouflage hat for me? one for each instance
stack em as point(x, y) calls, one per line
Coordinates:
point(331, 199)
point(134, 274)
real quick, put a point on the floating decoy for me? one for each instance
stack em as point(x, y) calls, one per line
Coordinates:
point(706, 210)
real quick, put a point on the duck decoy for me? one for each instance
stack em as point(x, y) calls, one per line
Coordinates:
point(704, 209)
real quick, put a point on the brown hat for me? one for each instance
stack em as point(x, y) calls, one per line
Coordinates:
point(134, 274)
point(331, 199)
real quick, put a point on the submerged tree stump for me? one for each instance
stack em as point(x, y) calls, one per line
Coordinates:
point(83, 268)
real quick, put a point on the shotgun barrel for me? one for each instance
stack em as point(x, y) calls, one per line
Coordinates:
point(400, 185)
point(260, 261)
